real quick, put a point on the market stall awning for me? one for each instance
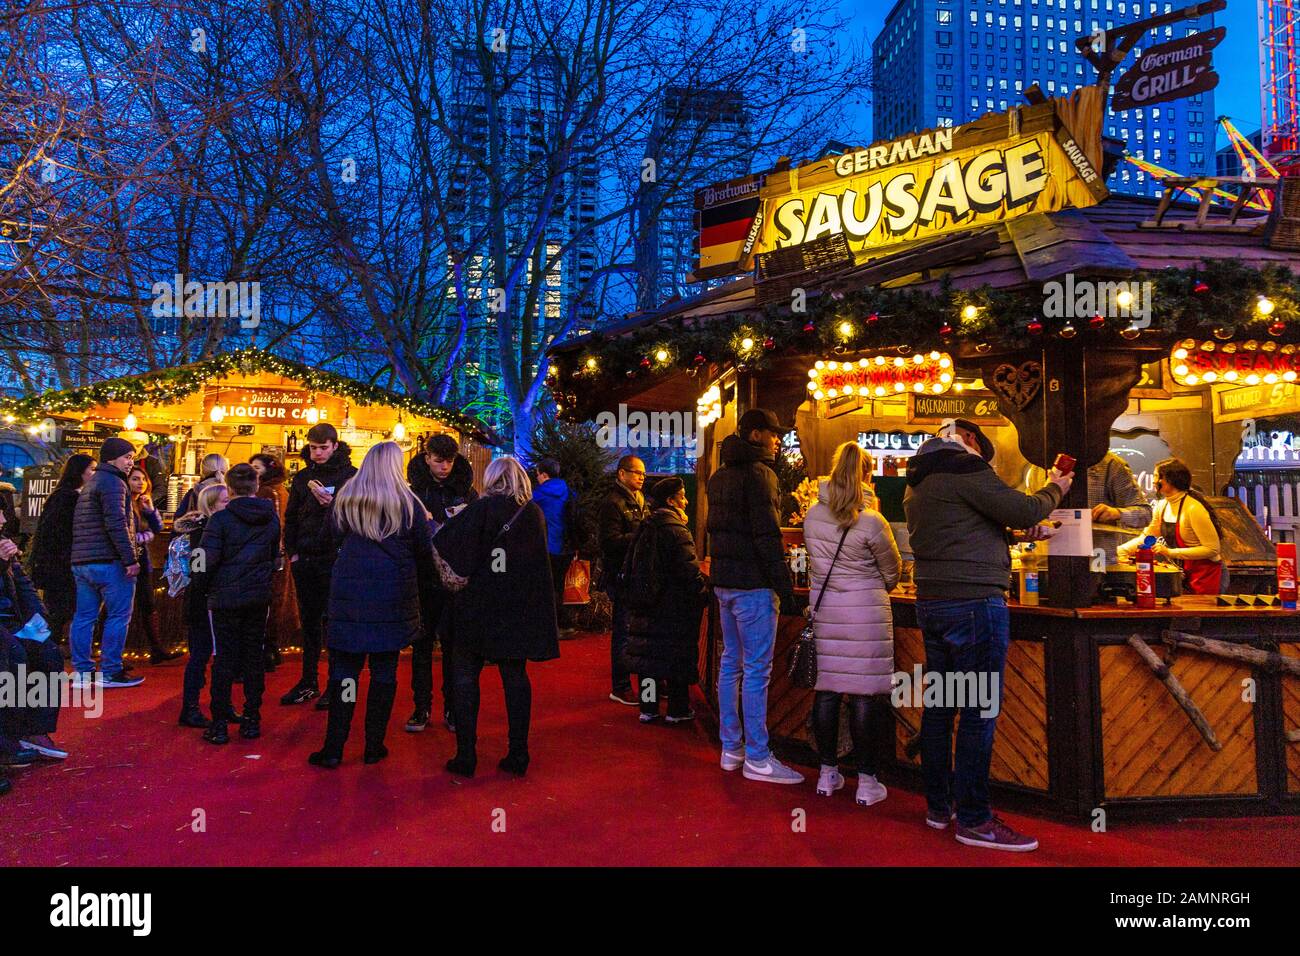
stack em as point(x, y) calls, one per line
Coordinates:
point(169, 386)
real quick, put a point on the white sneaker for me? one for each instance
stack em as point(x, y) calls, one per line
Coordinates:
point(870, 790)
point(732, 759)
point(771, 770)
point(829, 781)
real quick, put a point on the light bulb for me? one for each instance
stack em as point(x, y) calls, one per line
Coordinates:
point(129, 422)
point(745, 345)
point(661, 355)
point(217, 414)
point(399, 431)
point(312, 415)
point(846, 329)
point(970, 312)
point(1264, 306)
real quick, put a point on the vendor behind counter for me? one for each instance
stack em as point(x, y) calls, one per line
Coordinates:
point(1186, 530)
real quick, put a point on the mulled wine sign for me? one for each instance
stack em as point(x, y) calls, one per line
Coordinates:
point(1170, 71)
point(1002, 166)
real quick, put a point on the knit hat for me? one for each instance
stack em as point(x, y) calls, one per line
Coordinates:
point(664, 489)
point(115, 448)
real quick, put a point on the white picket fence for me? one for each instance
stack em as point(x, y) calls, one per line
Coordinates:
point(1275, 505)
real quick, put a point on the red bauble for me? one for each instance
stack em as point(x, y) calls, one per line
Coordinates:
point(809, 326)
point(873, 318)
point(1097, 321)
point(1200, 288)
point(699, 358)
point(1277, 328)
point(769, 343)
point(1035, 327)
point(945, 330)
point(645, 363)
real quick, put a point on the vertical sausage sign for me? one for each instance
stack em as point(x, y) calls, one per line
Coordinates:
point(1170, 71)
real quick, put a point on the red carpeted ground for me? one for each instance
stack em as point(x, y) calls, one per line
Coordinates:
point(603, 790)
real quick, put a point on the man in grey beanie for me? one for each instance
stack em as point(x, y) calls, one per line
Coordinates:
point(105, 566)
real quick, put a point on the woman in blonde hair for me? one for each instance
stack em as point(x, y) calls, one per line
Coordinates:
point(851, 544)
point(374, 605)
point(493, 556)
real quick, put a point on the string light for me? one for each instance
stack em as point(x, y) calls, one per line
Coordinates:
point(1264, 305)
point(130, 421)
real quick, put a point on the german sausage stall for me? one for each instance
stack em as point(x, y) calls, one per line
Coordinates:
point(985, 273)
point(236, 404)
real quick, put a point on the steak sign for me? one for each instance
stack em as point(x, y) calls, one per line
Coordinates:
point(1170, 71)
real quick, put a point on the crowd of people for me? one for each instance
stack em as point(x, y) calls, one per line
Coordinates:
point(384, 557)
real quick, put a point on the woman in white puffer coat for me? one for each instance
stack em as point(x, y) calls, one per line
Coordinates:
point(855, 624)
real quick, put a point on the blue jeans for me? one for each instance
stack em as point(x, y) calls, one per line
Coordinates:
point(108, 584)
point(748, 639)
point(962, 637)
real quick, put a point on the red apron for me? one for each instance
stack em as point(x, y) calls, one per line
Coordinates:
point(1199, 575)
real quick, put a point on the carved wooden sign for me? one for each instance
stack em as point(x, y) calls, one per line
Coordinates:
point(1017, 384)
point(1170, 71)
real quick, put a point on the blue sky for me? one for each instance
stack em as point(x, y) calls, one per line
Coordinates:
point(1236, 58)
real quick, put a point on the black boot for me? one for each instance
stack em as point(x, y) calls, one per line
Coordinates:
point(191, 716)
point(515, 762)
point(379, 707)
point(336, 729)
point(217, 733)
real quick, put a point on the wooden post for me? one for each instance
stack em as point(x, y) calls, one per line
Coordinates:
point(1161, 670)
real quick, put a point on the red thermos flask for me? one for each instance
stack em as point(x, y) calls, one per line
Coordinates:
point(1286, 586)
point(1146, 574)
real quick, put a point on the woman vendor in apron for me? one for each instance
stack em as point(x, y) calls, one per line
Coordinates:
point(1187, 526)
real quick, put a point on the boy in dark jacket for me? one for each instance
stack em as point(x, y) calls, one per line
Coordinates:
point(958, 512)
point(239, 549)
point(105, 566)
point(443, 480)
point(310, 546)
point(752, 583)
point(621, 513)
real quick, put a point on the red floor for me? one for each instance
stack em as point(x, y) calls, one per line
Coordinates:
point(603, 789)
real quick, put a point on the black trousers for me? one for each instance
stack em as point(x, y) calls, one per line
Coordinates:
point(200, 642)
point(868, 714)
point(311, 579)
point(43, 657)
point(347, 665)
point(239, 636)
point(437, 617)
point(651, 690)
point(519, 701)
point(559, 568)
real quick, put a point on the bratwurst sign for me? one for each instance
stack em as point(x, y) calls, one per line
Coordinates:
point(917, 187)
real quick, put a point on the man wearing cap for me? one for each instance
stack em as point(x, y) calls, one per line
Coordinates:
point(105, 566)
point(751, 581)
point(958, 512)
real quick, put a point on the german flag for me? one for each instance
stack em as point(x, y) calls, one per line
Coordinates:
point(725, 214)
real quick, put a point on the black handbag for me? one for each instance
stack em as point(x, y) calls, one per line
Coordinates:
point(802, 669)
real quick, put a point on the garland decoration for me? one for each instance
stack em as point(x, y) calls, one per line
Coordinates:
point(168, 386)
point(1224, 299)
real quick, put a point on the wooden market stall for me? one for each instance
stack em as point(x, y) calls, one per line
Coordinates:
point(236, 404)
point(1063, 319)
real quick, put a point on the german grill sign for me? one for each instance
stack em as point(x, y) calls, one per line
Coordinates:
point(1170, 71)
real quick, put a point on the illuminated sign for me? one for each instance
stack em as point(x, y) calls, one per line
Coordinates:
point(880, 376)
point(283, 406)
point(1000, 167)
point(1196, 362)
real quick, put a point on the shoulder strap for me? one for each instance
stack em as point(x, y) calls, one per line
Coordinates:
point(827, 580)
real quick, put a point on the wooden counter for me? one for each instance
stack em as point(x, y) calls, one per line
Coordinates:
point(1086, 725)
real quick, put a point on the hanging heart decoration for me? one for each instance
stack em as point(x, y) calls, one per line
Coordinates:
point(1017, 385)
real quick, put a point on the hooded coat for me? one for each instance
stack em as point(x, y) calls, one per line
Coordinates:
point(744, 526)
point(958, 512)
point(51, 560)
point(240, 546)
point(307, 532)
point(439, 495)
point(552, 496)
point(665, 591)
point(855, 624)
point(374, 603)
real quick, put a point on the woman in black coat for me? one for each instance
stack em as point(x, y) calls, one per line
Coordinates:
point(374, 603)
point(51, 560)
point(665, 593)
point(493, 557)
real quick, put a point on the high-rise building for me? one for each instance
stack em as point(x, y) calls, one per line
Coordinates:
point(948, 62)
point(1228, 163)
point(533, 116)
point(699, 136)
point(1279, 73)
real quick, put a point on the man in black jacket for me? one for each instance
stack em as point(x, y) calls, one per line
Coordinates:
point(310, 546)
point(105, 566)
point(752, 582)
point(238, 551)
point(621, 513)
point(444, 481)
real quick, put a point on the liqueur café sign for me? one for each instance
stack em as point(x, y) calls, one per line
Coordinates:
point(999, 167)
point(272, 406)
